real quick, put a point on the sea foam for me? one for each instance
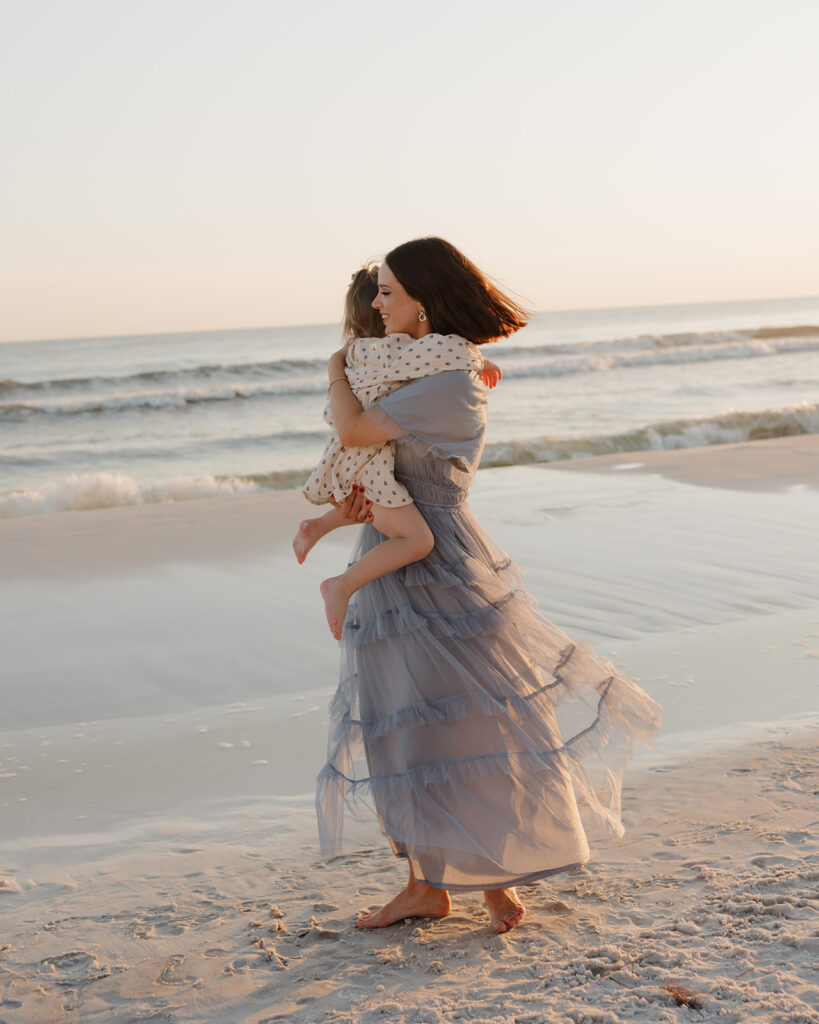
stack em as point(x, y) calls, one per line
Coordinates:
point(82, 491)
point(79, 492)
point(726, 428)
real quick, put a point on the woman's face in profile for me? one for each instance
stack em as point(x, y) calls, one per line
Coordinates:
point(398, 310)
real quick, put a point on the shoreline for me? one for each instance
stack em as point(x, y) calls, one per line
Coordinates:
point(133, 537)
point(169, 609)
point(769, 464)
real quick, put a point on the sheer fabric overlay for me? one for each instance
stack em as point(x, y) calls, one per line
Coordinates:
point(490, 745)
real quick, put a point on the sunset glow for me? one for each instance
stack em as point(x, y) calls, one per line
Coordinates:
point(193, 165)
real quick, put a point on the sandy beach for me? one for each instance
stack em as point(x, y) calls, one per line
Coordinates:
point(166, 670)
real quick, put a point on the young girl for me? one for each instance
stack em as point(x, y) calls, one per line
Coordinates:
point(377, 366)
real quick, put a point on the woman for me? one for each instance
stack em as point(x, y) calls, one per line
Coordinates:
point(446, 714)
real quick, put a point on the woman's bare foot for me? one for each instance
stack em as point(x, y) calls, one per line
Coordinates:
point(308, 533)
point(417, 900)
point(336, 600)
point(505, 911)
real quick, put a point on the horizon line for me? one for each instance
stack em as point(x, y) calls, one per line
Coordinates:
point(329, 323)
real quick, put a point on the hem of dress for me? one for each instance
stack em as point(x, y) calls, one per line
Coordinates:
point(318, 502)
point(534, 876)
point(315, 501)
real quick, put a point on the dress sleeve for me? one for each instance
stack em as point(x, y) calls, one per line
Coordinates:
point(444, 415)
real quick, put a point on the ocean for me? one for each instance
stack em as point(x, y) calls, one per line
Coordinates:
point(99, 422)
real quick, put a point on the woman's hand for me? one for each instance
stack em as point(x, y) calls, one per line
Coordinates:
point(337, 363)
point(355, 508)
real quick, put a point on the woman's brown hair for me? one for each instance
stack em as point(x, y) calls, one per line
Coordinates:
point(360, 319)
point(457, 298)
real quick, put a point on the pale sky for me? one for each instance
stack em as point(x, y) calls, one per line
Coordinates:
point(195, 164)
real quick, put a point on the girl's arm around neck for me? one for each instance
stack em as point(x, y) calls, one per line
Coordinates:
point(353, 426)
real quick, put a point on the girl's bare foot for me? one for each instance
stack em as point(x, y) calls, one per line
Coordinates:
point(505, 911)
point(336, 600)
point(417, 900)
point(307, 535)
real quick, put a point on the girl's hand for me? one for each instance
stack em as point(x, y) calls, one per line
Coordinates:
point(491, 374)
point(355, 508)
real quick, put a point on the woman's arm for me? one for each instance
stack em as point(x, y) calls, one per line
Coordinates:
point(353, 426)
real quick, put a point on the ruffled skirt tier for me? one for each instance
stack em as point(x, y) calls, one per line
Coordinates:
point(490, 745)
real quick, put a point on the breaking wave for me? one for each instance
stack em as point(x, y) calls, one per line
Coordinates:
point(79, 492)
point(726, 428)
point(83, 491)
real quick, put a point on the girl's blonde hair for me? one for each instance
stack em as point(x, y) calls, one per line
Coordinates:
point(360, 319)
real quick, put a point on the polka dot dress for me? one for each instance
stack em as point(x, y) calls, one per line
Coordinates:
point(375, 368)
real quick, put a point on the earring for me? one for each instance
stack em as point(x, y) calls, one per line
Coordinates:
point(422, 317)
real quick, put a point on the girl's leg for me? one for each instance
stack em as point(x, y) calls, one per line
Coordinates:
point(408, 539)
point(312, 530)
point(417, 900)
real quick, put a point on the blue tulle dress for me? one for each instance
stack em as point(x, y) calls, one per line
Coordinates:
point(447, 722)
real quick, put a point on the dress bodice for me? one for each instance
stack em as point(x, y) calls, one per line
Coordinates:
point(429, 478)
point(439, 425)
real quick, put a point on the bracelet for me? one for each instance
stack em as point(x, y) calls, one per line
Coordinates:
point(333, 381)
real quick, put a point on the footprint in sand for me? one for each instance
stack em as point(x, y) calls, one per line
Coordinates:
point(796, 837)
point(252, 906)
point(254, 961)
point(169, 920)
point(77, 967)
point(556, 907)
point(168, 976)
point(164, 926)
point(318, 934)
point(68, 961)
point(767, 860)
